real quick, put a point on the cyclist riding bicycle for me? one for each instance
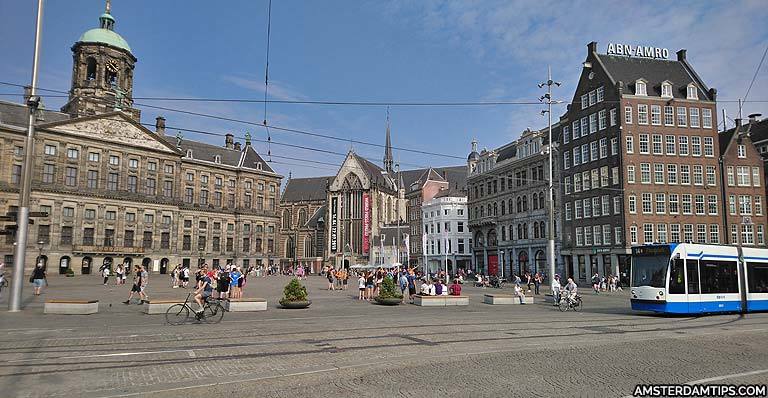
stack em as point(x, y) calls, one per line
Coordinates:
point(571, 289)
point(203, 292)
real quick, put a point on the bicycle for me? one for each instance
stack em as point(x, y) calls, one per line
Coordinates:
point(568, 303)
point(178, 314)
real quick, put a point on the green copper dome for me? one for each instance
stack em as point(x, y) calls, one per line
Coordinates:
point(105, 36)
point(105, 33)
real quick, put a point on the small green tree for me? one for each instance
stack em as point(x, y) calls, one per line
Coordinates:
point(389, 289)
point(294, 291)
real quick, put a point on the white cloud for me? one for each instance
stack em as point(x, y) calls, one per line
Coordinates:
point(277, 90)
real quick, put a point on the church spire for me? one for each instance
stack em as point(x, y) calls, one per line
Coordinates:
point(388, 149)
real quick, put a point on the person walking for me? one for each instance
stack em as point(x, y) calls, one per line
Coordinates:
point(596, 283)
point(105, 274)
point(329, 275)
point(403, 282)
point(556, 289)
point(138, 286)
point(38, 278)
point(234, 284)
point(361, 287)
point(118, 273)
point(537, 283)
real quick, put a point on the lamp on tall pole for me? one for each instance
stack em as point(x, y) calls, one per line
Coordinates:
point(547, 99)
point(33, 102)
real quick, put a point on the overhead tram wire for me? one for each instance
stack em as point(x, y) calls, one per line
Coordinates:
point(754, 77)
point(338, 103)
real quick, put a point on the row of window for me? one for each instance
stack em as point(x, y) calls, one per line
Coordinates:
point(591, 179)
point(446, 227)
point(683, 174)
point(680, 145)
point(590, 152)
point(520, 204)
point(592, 207)
point(147, 242)
point(672, 116)
point(663, 203)
point(593, 97)
point(641, 89)
point(747, 234)
point(590, 124)
point(597, 235)
point(437, 246)
point(520, 179)
point(446, 212)
point(741, 177)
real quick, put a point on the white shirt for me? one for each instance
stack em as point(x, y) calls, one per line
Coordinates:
point(555, 285)
point(445, 290)
point(361, 283)
point(425, 288)
point(431, 290)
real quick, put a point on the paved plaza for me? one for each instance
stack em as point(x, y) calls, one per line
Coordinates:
point(341, 347)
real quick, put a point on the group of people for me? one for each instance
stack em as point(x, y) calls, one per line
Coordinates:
point(338, 279)
point(559, 291)
point(228, 281)
point(603, 284)
point(120, 274)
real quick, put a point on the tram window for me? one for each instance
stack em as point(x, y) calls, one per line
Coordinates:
point(757, 273)
point(676, 277)
point(719, 277)
point(693, 276)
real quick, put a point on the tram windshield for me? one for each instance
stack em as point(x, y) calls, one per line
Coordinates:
point(649, 270)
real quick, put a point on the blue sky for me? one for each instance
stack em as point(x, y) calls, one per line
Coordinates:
point(381, 51)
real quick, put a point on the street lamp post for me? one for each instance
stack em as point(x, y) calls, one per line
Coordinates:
point(14, 303)
point(547, 98)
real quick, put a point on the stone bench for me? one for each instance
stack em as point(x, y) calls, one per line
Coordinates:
point(71, 307)
point(440, 301)
point(506, 299)
point(245, 304)
point(159, 307)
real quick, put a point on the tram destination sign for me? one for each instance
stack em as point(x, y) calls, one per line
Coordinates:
point(637, 51)
point(655, 250)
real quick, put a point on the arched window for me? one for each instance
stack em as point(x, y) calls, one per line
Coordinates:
point(511, 206)
point(492, 240)
point(217, 159)
point(519, 204)
point(189, 153)
point(525, 230)
point(482, 211)
point(477, 212)
point(541, 200)
point(541, 261)
point(522, 261)
point(495, 209)
point(479, 241)
point(542, 229)
point(503, 234)
point(489, 210)
point(519, 231)
point(286, 219)
point(110, 75)
point(302, 217)
point(90, 69)
point(535, 230)
point(535, 201)
point(503, 208)
point(290, 248)
point(525, 202)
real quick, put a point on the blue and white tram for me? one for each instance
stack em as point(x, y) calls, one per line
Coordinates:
point(693, 279)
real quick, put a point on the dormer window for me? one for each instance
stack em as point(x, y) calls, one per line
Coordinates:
point(640, 88)
point(693, 92)
point(258, 165)
point(666, 90)
point(217, 159)
point(189, 153)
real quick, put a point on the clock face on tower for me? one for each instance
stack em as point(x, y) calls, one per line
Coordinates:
point(112, 65)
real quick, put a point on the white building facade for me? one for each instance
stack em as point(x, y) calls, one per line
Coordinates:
point(447, 240)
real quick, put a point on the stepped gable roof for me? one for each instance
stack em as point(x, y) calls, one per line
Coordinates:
point(306, 189)
point(654, 71)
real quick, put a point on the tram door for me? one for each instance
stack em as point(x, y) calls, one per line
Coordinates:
point(677, 301)
point(694, 288)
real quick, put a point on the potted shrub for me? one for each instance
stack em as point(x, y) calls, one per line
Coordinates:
point(295, 295)
point(70, 273)
point(388, 294)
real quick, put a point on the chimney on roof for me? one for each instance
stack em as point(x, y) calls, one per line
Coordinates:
point(753, 118)
point(237, 146)
point(681, 55)
point(160, 125)
point(738, 122)
point(229, 141)
point(591, 47)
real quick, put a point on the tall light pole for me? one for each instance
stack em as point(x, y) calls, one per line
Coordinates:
point(22, 217)
point(547, 99)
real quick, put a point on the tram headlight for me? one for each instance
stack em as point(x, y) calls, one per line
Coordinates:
point(661, 293)
point(633, 292)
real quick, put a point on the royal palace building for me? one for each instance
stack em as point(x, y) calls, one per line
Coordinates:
point(110, 190)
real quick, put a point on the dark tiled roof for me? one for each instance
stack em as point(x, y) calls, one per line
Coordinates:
point(229, 157)
point(455, 175)
point(654, 71)
point(301, 189)
point(17, 115)
point(316, 218)
point(758, 131)
point(507, 152)
point(252, 158)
